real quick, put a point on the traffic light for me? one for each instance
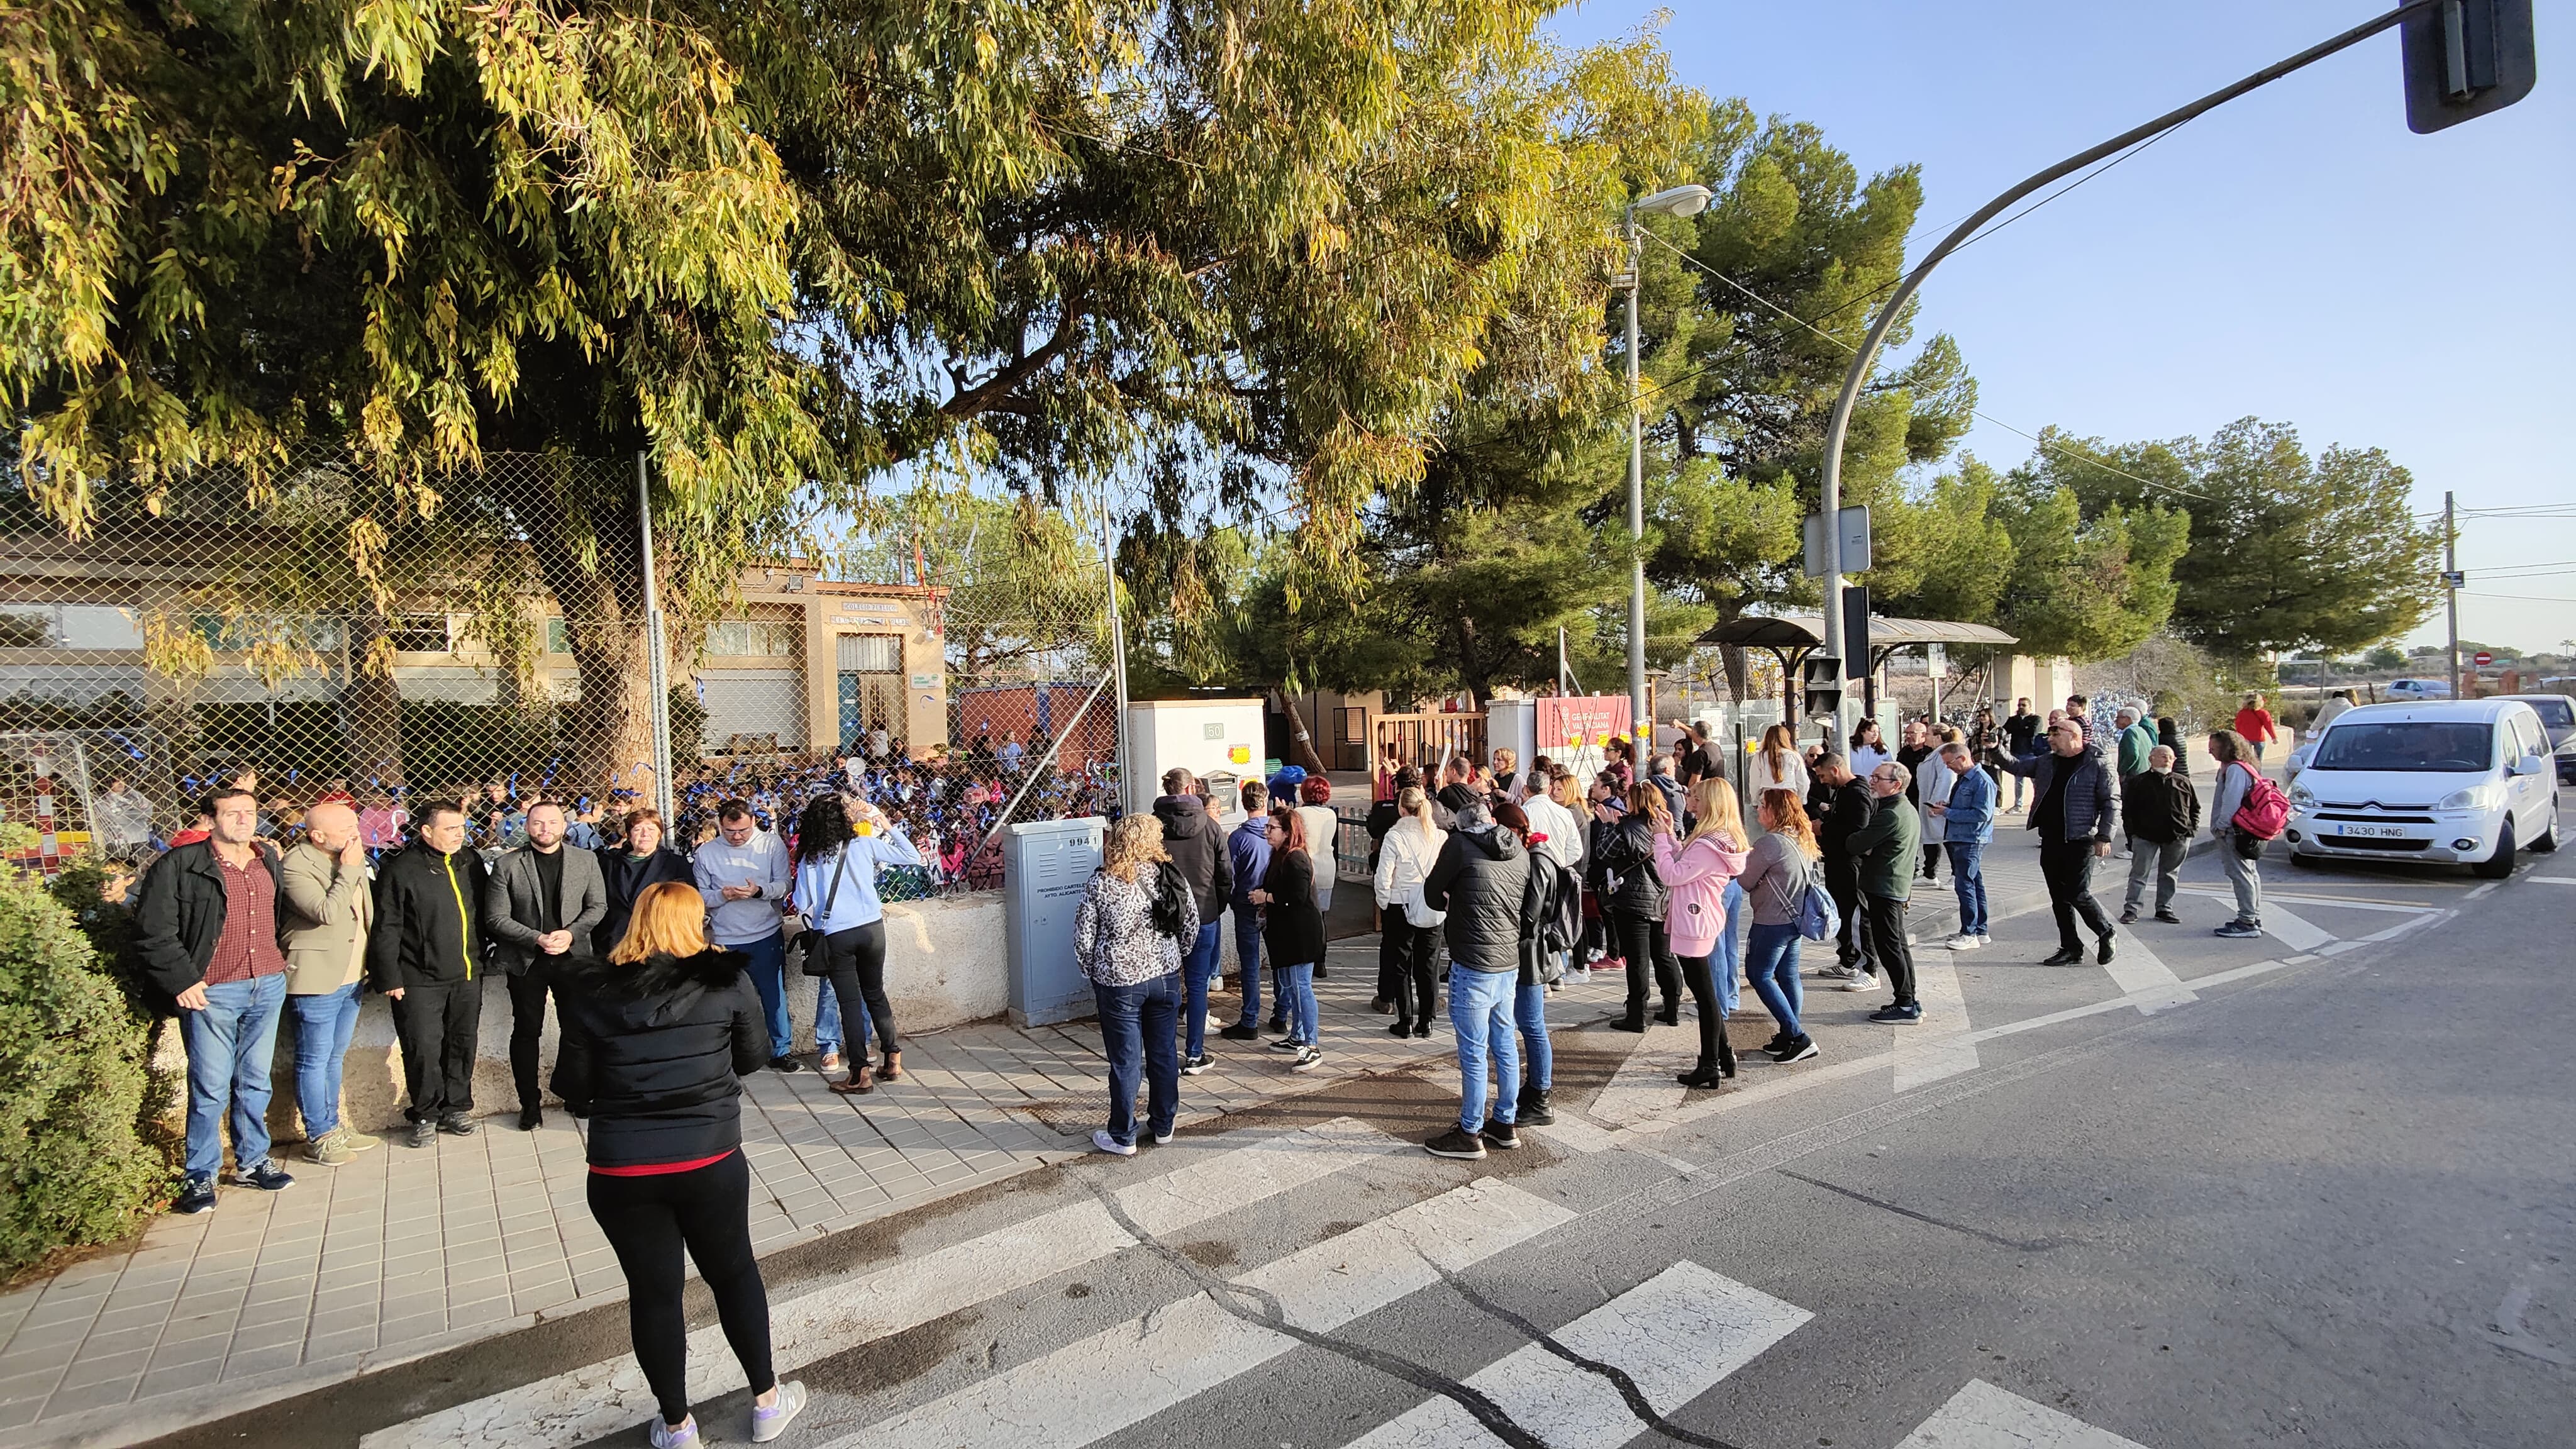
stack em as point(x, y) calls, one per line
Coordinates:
point(2465, 58)
point(1821, 676)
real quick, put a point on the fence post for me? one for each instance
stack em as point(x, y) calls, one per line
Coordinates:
point(658, 668)
point(1117, 644)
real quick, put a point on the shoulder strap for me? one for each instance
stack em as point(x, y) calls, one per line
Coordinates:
point(840, 866)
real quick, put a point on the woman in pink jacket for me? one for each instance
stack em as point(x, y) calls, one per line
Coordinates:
point(1697, 873)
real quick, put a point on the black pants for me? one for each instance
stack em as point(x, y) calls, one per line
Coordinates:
point(1887, 942)
point(1715, 1052)
point(1851, 944)
point(528, 992)
point(1642, 940)
point(1931, 855)
point(437, 1025)
point(1405, 955)
point(648, 1220)
point(2067, 866)
point(855, 961)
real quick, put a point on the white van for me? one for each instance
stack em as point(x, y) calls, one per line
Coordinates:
point(2463, 782)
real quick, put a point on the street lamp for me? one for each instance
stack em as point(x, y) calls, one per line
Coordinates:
point(1674, 201)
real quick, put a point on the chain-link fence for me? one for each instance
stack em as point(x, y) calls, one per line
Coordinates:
point(322, 630)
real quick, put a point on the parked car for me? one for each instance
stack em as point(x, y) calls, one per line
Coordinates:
point(2558, 716)
point(2419, 689)
point(2462, 782)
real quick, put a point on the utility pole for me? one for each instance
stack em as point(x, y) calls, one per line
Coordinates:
point(1639, 726)
point(2451, 581)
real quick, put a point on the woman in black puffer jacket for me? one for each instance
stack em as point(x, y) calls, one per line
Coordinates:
point(671, 1024)
point(1633, 898)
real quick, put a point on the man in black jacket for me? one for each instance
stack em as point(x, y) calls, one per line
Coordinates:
point(541, 903)
point(2163, 812)
point(1196, 844)
point(2073, 814)
point(1484, 881)
point(2021, 733)
point(428, 954)
point(1846, 805)
point(206, 933)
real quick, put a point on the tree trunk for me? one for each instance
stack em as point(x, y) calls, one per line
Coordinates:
point(1301, 744)
point(609, 728)
point(1738, 679)
point(372, 700)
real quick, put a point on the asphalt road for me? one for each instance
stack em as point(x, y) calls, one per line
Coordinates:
point(2330, 1198)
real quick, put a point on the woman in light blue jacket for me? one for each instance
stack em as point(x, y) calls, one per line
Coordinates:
point(836, 888)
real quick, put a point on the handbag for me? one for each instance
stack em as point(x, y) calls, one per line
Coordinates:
point(805, 919)
point(1418, 915)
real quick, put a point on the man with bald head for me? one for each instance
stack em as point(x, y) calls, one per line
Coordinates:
point(327, 908)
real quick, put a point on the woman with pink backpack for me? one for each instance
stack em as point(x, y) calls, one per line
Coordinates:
point(2243, 792)
point(1698, 872)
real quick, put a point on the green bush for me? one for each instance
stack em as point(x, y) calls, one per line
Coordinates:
point(73, 1169)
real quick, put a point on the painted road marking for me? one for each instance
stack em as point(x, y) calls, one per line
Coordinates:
point(1643, 1086)
point(1982, 1416)
point(2551, 879)
point(2140, 973)
point(603, 1398)
point(1676, 1335)
point(2291, 931)
point(1939, 1045)
point(1122, 1376)
point(2341, 903)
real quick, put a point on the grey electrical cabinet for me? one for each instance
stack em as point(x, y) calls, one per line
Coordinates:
point(1046, 865)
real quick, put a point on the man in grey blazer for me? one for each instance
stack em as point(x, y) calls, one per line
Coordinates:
point(539, 906)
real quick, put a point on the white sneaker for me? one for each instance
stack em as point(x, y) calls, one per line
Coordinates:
point(1307, 1060)
point(1984, 940)
point(1859, 981)
point(1964, 942)
point(769, 1423)
point(666, 1437)
point(1101, 1141)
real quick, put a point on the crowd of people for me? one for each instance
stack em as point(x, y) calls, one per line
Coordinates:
point(1648, 865)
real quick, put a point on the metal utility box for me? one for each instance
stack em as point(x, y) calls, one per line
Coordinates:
point(1512, 724)
point(1208, 737)
point(1046, 864)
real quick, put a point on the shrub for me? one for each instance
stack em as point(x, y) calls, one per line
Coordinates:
point(73, 1169)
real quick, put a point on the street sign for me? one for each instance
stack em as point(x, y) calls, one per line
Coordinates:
point(2464, 58)
point(2455, 579)
point(1855, 532)
point(2482, 659)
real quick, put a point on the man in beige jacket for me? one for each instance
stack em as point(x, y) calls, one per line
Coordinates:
point(325, 908)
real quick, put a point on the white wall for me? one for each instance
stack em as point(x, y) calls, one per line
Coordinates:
point(1205, 736)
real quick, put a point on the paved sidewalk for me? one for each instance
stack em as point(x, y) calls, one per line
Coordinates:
point(402, 1253)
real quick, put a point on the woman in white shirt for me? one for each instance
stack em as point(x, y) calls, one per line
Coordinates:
point(1776, 765)
point(1405, 950)
point(1323, 836)
point(1556, 827)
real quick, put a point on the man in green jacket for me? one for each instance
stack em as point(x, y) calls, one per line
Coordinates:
point(1888, 849)
point(2137, 740)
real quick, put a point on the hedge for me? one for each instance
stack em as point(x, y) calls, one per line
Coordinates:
point(73, 1168)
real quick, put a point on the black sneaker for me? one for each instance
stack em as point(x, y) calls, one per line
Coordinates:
point(1422, 1029)
point(785, 1064)
point(1197, 1064)
point(2103, 955)
point(531, 1118)
point(423, 1133)
point(1278, 1024)
point(1535, 1111)
point(456, 1124)
point(1798, 1050)
point(2236, 931)
point(1900, 1015)
point(1778, 1040)
point(1457, 1142)
point(2066, 956)
point(267, 1177)
point(197, 1197)
point(1287, 1044)
point(2169, 918)
point(1501, 1136)
point(1240, 1032)
point(1401, 1028)
point(2129, 916)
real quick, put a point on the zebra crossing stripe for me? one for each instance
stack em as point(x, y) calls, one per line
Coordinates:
point(583, 1404)
point(1119, 1377)
point(1938, 1046)
point(2139, 972)
point(1675, 1336)
point(1982, 1416)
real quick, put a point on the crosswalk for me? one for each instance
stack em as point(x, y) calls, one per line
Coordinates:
point(1981, 1416)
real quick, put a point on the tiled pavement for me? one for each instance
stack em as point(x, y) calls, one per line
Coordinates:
point(400, 1253)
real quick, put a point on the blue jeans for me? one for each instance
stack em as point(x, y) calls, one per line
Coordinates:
point(1773, 967)
point(1968, 878)
point(324, 1022)
point(229, 1044)
point(1728, 959)
point(768, 973)
point(1297, 1000)
point(1529, 1012)
point(829, 1028)
point(1480, 1011)
point(1138, 1022)
point(1198, 970)
point(1247, 959)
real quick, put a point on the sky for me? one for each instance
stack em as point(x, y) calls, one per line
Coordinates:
point(2296, 254)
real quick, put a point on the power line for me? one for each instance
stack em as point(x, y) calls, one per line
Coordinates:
point(1979, 412)
point(2518, 598)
